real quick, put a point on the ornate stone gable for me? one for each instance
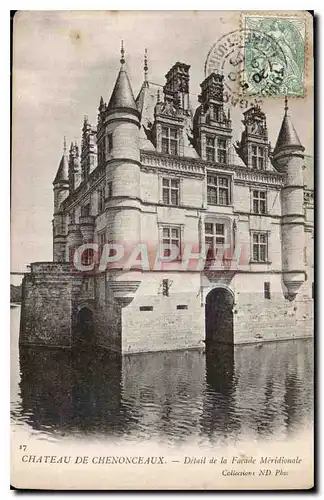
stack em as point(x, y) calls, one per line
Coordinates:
point(254, 147)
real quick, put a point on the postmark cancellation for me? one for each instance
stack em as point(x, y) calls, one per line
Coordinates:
point(274, 54)
point(265, 57)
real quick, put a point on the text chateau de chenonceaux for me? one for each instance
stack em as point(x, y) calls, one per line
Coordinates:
point(169, 235)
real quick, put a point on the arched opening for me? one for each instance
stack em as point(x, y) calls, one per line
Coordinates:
point(84, 329)
point(219, 317)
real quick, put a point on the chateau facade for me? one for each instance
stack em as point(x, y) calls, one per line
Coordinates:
point(157, 174)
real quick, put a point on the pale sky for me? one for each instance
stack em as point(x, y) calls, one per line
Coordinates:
point(63, 63)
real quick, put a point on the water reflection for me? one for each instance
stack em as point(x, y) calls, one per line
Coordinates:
point(71, 392)
point(257, 390)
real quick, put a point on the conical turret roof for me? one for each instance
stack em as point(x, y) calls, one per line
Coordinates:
point(287, 137)
point(62, 174)
point(122, 95)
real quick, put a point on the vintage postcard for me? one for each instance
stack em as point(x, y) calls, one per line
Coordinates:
point(162, 250)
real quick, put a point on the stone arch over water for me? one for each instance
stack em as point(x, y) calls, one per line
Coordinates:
point(219, 327)
point(84, 332)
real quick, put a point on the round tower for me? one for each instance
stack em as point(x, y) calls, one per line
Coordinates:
point(118, 150)
point(288, 159)
point(61, 191)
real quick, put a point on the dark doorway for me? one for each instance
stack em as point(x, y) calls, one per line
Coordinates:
point(84, 329)
point(219, 317)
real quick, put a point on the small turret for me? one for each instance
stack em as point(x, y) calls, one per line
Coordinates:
point(74, 167)
point(88, 149)
point(140, 100)
point(61, 191)
point(61, 181)
point(288, 159)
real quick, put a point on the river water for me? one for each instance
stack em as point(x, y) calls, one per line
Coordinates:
point(257, 391)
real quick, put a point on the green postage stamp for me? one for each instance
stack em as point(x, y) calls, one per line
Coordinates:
point(274, 55)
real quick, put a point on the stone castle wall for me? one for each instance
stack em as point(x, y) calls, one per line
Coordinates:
point(151, 320)
point(156, 322)
point(46, 311)
point(257, 318)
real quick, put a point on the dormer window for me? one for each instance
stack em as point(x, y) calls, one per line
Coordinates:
point(170, 140)
point(216, 149)
point(258, 157)
point(210, 148)
point(221, 150)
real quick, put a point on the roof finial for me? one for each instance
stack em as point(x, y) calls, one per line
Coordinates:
point(64, 145)
point(145, 67)
point(286, 105)
point(122, 51)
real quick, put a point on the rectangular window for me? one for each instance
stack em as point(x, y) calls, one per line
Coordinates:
point(214, 238)
point(103, 150)
point(171, 236)
point(110, 189)
point(72, 217)
point(170, 140)
point(71, 254)
point(170, 191)
point(101, 199)
point(85, 210)
point(216, 151)
point(221, 150)
point(210, 148)
point(267, 294)
point(98, 154)
point(101, 243)
point(180, 306)
point(260, 247)
point(110, 142)
point(259, 202)
point(87, 257)
point(258, 157)
point(218, 190)
point(146, 308)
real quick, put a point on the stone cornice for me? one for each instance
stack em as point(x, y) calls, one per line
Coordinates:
point(50, 267)
point(244, 176)
point(155, 162)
